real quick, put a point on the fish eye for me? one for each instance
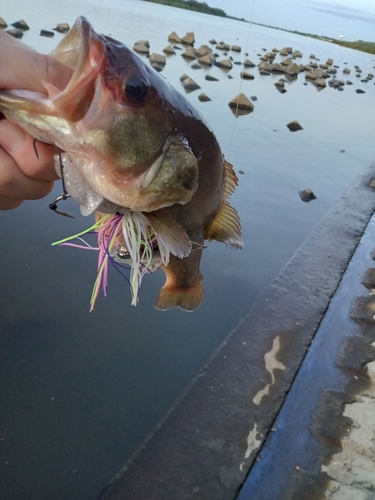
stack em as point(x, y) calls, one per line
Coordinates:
point(135, 90)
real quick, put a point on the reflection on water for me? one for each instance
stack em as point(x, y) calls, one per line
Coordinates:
point(80, 391)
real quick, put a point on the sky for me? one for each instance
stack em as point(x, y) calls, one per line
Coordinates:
point(354, 20)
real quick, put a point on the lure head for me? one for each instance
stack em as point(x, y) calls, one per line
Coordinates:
point(116, 119)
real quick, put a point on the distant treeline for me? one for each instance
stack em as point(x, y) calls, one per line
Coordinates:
point(358, 45)
point(192, 5)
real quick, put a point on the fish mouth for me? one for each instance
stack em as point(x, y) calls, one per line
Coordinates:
point(83, 51)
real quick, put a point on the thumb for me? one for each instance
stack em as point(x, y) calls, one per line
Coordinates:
point(24, 68)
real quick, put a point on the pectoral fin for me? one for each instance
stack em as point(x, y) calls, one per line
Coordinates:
point(226, 227)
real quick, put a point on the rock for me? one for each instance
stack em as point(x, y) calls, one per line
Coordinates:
point(348, 82)
point(281, 90)
point(158, 59)
point(236, 48)
point(307, 195)
point(176, 47)
point(196, 66)
point(188, 39)
point(230, 77)
point(312, 75)
point(320, 82)
point(157, 67)
point(248, 64)
point(277, 68)
point(62, 28)
point(263, 72)
point(21, 25)
point(141, 48)
point(226, 46)
point(329, 62)
point(47, 33)
point(203, 50)
point(293, 69)
point(254, 98)
point(297, 53)
point(360, 91)
point(169, 50)
point(143, 42)
point(225, 64)
point(210, 78)
point(336, 83)
point(189, 53)
point(207, 60)
point(3, 24)
point(246, 76)
point(284, 51)
point(275, 50)
point(174, 38)
point(286, 61)
point(312, 56)
point(266, 66)
point(213, 41)
point(183, 77)
point(280, 84)
point(15, 33)
point(270, 56)
point(223, 46)
point(294, 126)
point(241, 102)
point(323, 66)
point(204, 98)
point(189, 84)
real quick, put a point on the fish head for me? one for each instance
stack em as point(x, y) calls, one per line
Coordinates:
point(117, 120)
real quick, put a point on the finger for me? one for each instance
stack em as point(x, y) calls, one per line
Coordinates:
point(9, 203)
point(19, 145)
point(24, 68)
point(15, 184)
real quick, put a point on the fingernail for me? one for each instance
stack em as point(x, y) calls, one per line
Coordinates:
point(12, 137)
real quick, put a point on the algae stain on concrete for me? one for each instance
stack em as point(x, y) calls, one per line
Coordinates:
point(352, 471)
point(271, 365)
point(252, 444)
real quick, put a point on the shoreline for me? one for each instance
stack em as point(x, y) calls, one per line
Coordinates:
point(195, 6)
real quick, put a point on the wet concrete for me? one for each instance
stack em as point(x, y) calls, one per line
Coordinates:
point(209, 441)
point(319, 450)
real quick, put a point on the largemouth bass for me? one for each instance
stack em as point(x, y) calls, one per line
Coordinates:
point(133, 145)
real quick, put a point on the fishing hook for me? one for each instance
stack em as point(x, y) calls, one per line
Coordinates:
point(65, 195)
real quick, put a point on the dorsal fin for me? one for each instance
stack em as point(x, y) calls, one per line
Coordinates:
point(226, 227)
point(231, 180)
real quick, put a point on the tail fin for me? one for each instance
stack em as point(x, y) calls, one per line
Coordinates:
point(187, 298)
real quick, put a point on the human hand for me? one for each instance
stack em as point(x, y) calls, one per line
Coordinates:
point(22, 174)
